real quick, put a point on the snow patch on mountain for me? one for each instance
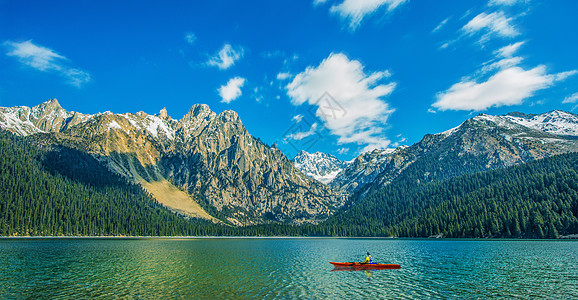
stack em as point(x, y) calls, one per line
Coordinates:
point(45, 117)
point(114, 125)
point(554, 122)
point(155, 125)
point(320, 166)
point(450, 131)
point(363, 169)
point(17, 119)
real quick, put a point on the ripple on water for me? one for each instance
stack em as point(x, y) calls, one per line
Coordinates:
point(286, 269)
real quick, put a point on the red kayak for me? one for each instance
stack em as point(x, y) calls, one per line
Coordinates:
point(358, 265)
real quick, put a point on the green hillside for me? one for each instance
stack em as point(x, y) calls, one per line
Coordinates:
point(534, 200)
point(66, 192)
point(62, 191)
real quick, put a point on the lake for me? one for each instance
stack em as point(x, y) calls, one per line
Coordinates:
point(286, 268)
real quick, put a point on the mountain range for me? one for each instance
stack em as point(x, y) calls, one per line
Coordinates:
point(481, 143)
point(207, 165)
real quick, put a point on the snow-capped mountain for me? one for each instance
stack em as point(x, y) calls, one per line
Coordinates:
point(362, 170)
point(207, 159)
point(204, 159)
point(481, 143)
point(322, 167)
point(45, 117)
point(555, 122)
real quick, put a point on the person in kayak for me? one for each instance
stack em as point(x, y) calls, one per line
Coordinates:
point(368, 259)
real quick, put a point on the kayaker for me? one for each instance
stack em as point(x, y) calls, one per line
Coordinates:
point(368, 259)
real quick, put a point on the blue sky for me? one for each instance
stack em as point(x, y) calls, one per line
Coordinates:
point(338, 76)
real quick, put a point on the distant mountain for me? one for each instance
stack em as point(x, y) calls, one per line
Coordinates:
point(538, 199)
point(322, 167)
point(555, 122)
point(204, 165)
point(481, 143)
point(363, 170)
point(45, 117)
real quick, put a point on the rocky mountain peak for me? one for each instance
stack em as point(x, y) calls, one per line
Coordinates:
point(163, 113)
point(480, 143)
point(554, 122)
point(203, 157)
point(46, 108)
point(364, 169)
point(321, 166)
point(49, 104)
point(199, 111)
point(196, 119)
point(229, 116)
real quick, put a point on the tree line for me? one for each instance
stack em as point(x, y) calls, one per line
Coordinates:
point(62, 192)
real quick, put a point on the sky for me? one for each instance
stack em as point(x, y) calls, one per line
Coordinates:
point(341, 77)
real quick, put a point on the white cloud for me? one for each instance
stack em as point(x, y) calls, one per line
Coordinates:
point(297, 118)
point(297, 136)
point(342, 150)
point(273, 54)
point(190, 38)
point(232, 90)
point(494, 23)
point(440, 25)
point(509, 86)
point(499, 82)
point(571, 99)
point(508, 51)
point(349, 101)
point(501, 64)
point(76, 77)
point(563, 75)
point(46, 60)
point(283, 76)
point(319, 2)
point(38, 57)
point(356, 10)
point(258, 94)
point(446, 44)
point(506, 59)
point(226, 57)
point(504, 2)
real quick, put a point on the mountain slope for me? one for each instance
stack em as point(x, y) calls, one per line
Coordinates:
point(210, 157)
point(73, 194)
point(538, 199)
point(366, 167)
point(481, 143)
point(555, 122)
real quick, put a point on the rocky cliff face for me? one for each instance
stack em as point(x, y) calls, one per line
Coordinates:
point(205, 158)
point(45, 117)
point(481, 143)
point(362, 170)
point(207, 165)
point(244, 179)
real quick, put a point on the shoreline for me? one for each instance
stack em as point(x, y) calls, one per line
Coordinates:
point(564, 238)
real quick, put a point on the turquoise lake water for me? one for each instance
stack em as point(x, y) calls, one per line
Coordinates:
point(286, 268)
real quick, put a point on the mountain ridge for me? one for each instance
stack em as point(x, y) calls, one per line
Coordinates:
point(505, 140)
point(212, 164)
point(211, 157)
